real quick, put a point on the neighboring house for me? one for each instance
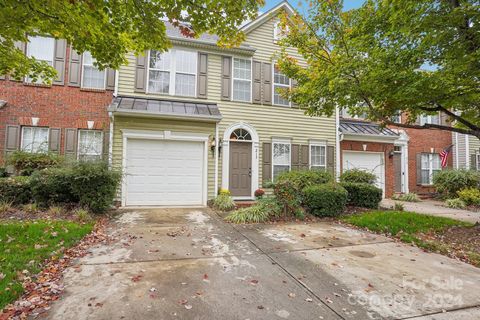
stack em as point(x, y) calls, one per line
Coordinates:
point(199, 118)
point(466, 153)
point(68, 117)
point(403, 159)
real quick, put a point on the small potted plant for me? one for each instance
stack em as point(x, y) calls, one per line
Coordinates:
point(259, 193)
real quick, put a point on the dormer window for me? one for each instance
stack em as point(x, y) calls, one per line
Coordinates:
point(278, 32)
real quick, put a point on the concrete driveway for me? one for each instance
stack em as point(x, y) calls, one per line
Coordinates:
point(189, 264)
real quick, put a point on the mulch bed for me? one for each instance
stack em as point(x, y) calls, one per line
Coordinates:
point(44, 288)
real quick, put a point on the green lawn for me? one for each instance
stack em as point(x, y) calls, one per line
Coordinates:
point(26, 245)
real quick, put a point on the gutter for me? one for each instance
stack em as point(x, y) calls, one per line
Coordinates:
point(184, 117)
point(110, 140)
point(216, 159)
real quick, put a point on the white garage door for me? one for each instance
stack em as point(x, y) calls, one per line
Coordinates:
point(160, 172)
point(368, 161)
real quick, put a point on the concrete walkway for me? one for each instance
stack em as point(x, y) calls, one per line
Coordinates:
point(189, 264)
point(435, 208)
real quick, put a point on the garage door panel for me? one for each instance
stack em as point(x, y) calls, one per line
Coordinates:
point(161, 172)
point(367, 161)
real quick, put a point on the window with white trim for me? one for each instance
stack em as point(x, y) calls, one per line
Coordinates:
point(431, 164)
point(318, 156)
point(92, 77)
point(397, 117)
point(42, 49)
point(173, 72)
point(34, 139)
point(344, 113)
point(242, 79)
point(477, 156)
point(278, 32)
point(280, 82)
point(90, 145)
point(431, 119)
point(281, 158)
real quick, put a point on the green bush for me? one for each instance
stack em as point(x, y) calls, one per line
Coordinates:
point(358, 176)
point(363, 195)
point(260, 212)
point(26, 163)
point(288, 188)
point(15, 190)
point(398, 206)
point(3, 172)
point(224, 202)
point(471, 196)
point(88, 184)
point(325, 200)
point(408, 197)
point(449, 182)
point(455, 203)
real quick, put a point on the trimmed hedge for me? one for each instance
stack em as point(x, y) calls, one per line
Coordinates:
point(358, 176)
point(15, 190)
point(363, 195)
point(26, 163)
point(449, 182)
point(325, 200)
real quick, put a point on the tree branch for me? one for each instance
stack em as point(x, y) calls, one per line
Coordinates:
point(432, 126)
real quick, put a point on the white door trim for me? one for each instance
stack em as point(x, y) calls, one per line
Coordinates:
point(402, 141)
point(226, 156)
point(164, 135)
point(382, 159)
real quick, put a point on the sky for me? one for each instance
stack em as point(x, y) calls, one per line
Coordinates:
point(349, 4)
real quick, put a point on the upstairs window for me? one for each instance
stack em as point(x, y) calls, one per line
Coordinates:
point(278, 33)
point(345, 114)
point(280, 82)
point(34, 139)
point(90, 144)
point(431, 164)
point(397, 117)
point(430, 119)
point(242, 80)
point(281, 158)
point(318, 156)
point(173, 72)
point(92, 77)
point(42, 49)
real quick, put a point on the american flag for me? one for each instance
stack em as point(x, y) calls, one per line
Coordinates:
point(444, 155)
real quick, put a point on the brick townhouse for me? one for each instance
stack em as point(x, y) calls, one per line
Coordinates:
point(68, 117)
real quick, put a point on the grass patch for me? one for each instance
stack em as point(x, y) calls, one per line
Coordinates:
point(26, 245)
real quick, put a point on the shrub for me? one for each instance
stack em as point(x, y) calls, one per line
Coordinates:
point(26, 163)
point(363, 195)
point(259, 193)
point(471, 196)
point(30, 207)
point(358, 176)
point(260, 212)
point(90, 184)
point(224, 202)
point(224, 192)
point(5, 207)
point(408, 197)
point(15, 190)
point(56, 211)
point(398, 206)
point(3, 172)
point(289, 197)
point(455, 203)
point(82, 215)
point(449, 182)
point(325, 200)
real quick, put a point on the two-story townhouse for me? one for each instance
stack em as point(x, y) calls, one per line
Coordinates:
point(201, 117)
point(67, 117)
point(403, 159)
point(466, 151)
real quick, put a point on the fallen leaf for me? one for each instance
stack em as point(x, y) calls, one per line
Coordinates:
point(188, 307)
point(254, 282)
point(291, 295)
point(137, 278)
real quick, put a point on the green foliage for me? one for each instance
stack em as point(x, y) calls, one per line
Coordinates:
point(26, 245)
point(30, 208)
point(398, 206)
point(224, 202)
point(408, 197)
point(56, 211)
point(3, 172)
point(455, 203)
point(449, 182)
point(111, 29)
point(5, 207)
point(225, 192)
point(325, 200)
point(89, 184)
point(15, 190)
point(363, 195)
point(260, 212)
point(358, 176)
point(367, 60)
point(289, 197)
point(25, 163)
point(470, 196)
point(83, 215)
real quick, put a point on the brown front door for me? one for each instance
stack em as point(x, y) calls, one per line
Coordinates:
point(240, 169)
point(397, 168)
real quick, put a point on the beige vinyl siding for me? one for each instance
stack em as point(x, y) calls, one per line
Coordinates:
point(474, 145)
point(461, 148)
point(149, 124)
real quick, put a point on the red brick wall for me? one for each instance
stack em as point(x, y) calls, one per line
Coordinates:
point(346, 145)
point(58, 106)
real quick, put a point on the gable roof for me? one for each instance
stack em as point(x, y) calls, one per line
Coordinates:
point(252, 25)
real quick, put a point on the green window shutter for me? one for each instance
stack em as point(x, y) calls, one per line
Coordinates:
point(141, 72)
point(295, 165)
point(257, 82)
point(473, 162)
point(267, 83)
point(331, 159)
point(71, 143)
point(226, 78)
point(419, 168)
point(74, 68)
point(54, 140)
point(202, 79)
point(267, 162)
point(59, 60)
point(305, 157)
point(12, 139)
point(110, 79)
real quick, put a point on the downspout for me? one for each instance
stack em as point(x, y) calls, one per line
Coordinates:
point(339, 138)
point(467, 152)
point(216, 159)
point(110, 140)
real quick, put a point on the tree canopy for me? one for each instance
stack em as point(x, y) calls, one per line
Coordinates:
point(389, 56)
point(110, 29)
